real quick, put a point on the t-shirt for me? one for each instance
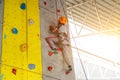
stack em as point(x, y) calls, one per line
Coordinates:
point(62, 29)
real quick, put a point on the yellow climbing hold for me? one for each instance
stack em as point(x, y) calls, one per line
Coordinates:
point(23, 47)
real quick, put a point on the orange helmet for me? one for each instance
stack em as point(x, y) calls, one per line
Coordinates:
point(62, 20)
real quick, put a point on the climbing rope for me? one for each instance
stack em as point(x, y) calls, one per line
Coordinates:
point(56, 8)
point(75, 44)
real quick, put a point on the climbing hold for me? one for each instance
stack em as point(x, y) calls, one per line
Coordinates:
point(31, 66)
point(31, 21)
point(55, 52)
point(5, 36)
point(45, 3)
point(67, 72)
point(1, 76)
point(60, 49)
point(58, 10)
point(14, 31)
point(50, 53)
point(14, 71)
point(50, 68)
point(38, 35)
point(23, 47)
point(23, 6)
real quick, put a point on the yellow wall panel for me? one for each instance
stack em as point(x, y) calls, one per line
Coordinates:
point(14, 17)
point(21, 41)
point(34, 45)
point(34, 76)
point(20, 73)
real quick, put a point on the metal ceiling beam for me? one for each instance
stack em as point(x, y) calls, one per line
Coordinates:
point(110, 4)
point(101, 32)
point(106, 10)
point(89, 29)
point(111, 24)
point(96, 8)
point(82, 15)
point(90, 24)
point(85, 18)
point(112, 67)
point(78, 4)
point(92, 14)
point(103, 12)
point(80, 20)
point(91, 19)
point(94, 55)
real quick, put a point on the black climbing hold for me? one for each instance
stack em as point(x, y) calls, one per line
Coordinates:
point(23, 6)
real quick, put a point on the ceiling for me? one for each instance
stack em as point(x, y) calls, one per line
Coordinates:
point(103, 17)
point(100, 15)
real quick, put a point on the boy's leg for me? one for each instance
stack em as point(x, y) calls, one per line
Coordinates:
point(51, 42)
point(66, 56)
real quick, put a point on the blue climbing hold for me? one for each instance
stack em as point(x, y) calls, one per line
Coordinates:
point(23, 6)
point(31, 66)
point(5, 36)
point(14, 31)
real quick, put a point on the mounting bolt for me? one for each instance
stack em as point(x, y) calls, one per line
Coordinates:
point(31, 21)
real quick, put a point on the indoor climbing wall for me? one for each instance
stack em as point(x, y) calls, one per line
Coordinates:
point(54, 67)
point(21, 48)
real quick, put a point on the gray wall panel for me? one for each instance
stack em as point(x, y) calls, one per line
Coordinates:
point(1, 18)
point(47, 16)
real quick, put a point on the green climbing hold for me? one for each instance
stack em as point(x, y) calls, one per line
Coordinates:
point(5, 36)
point(1, 76)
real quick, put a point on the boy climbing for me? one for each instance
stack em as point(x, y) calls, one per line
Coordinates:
point(61, 40)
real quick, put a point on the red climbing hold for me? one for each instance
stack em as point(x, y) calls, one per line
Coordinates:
point(58, 10)
point(45, 3)
point(14, 71)
point(67, 72)
point(50, 68)
point(50, 53)
point(59, 49)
